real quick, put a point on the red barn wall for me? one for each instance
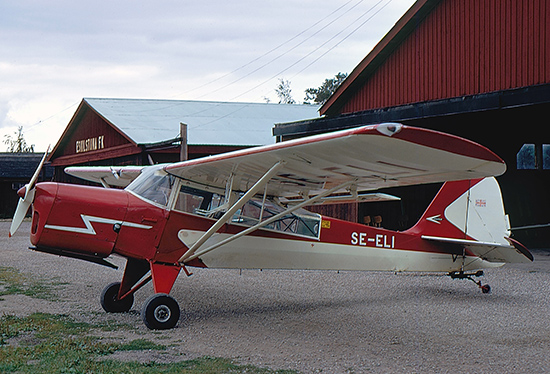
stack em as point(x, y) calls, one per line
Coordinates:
point(463, 47)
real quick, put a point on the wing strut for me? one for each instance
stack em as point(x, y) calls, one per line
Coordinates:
point(309, 201)
point(231, 211)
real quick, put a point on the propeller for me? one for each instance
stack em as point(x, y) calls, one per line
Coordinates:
point(26, 200)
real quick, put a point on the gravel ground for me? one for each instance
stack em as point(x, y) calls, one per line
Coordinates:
point(317, 321)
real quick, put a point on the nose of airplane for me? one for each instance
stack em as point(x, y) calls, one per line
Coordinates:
point(75, 218)
point(44, 198)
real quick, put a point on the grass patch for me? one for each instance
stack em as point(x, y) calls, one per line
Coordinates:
point(45, 343)
point(111, 325)
point(13, 282)
point(141, 345)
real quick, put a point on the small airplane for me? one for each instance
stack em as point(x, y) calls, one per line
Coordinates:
point(244, 210)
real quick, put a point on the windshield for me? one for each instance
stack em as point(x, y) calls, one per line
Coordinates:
point(153, 184)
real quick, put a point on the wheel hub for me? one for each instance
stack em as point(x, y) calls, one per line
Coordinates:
point(162, 313)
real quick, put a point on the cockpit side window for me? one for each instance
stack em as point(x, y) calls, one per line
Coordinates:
point(299, 222)
point(191, 200)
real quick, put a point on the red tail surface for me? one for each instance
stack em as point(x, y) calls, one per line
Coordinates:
point(467, 210)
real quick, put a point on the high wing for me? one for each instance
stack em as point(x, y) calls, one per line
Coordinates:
point(368, 157)
point(119, 176)
point(363, 159)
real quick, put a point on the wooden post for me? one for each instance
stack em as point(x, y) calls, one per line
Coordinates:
point(183, 147)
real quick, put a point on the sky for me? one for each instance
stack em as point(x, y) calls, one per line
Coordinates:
point(54, 53)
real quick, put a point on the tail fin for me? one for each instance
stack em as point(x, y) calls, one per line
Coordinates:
point(467, 210)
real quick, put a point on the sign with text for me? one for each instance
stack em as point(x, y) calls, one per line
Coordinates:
point(90, 144)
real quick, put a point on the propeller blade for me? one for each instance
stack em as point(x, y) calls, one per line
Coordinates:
point(21, 211)
point(25, 202)
point(36, 174)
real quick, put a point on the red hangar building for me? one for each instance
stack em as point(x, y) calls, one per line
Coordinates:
point(479, 69)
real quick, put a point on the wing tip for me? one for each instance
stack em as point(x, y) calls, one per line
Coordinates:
point(389, 128)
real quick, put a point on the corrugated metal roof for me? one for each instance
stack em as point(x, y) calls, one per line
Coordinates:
point(209, 122)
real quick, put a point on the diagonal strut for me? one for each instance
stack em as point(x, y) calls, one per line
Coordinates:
point(268, 221)
point(231, 211)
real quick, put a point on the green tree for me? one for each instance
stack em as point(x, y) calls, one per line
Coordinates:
point(16, 143)
point(284, 92)
point(321, 94)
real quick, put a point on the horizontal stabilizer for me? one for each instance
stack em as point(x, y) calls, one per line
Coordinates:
point(490, 251)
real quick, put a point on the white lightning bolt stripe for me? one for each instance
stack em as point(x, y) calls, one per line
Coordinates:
point(89, 229)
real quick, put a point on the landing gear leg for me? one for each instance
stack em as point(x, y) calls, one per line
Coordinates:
point(485, 288)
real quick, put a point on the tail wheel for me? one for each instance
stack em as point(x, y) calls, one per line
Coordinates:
point(110, 301)
point(485, 288)
point(160, 312)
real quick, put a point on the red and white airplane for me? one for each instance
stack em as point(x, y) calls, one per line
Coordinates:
point(244, 210)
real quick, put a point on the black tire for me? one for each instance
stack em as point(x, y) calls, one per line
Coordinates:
point(160, 312)
point(110, 302)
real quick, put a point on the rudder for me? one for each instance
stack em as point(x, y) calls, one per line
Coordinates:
point(468, 209)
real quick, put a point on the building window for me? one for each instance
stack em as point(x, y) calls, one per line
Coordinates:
point(526, 157)
point(533, 157)
point(546, 156)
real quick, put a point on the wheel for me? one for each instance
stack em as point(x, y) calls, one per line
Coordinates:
point(486, 288)
point(110, 302)
point(160, 312)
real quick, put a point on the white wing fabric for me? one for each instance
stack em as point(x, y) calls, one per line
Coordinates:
point(119, 176)
point(374, 157)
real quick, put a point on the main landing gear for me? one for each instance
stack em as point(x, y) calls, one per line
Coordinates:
point(485, 288)
point(159, 312)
